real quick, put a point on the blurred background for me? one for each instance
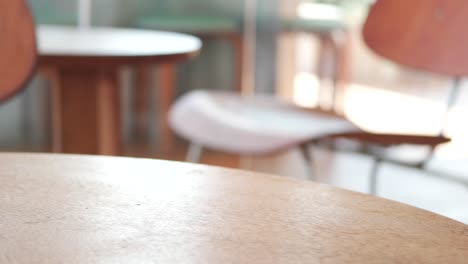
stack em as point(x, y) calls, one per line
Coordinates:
point(301, 49)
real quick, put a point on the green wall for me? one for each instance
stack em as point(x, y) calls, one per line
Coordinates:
point(122, 12)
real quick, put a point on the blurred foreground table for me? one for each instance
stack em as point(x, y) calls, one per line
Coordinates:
point(89, 209)
point(84, 64)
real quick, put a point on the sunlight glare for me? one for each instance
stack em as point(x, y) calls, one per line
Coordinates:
point(306, 87)
point(379, 110)
point(319, 11)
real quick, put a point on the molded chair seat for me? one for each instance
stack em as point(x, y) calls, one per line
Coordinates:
point(250, 125)
point(263, 125)
point(191, 24)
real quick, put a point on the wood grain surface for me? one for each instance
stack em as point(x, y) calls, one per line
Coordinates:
point(88, 209)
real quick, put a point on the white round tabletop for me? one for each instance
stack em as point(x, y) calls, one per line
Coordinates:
point(61, 42)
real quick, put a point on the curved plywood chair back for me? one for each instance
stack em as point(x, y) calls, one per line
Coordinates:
point(430, 35)
point(17, 46)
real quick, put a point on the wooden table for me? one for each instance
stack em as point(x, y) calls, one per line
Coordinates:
point(88, 209)
point(85, 63)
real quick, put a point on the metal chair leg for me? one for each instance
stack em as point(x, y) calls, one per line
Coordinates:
point(194, 153)
point(373, 176)
point(309, 162)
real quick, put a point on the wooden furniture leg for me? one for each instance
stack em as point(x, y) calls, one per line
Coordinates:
point(326, 68)
point(53, 108)
point(167, 83)
point(141, 100)
point(238, 58)
point(343, 68)
point(87, 112)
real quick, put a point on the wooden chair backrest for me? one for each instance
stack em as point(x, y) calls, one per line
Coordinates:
point(17, 46)
point(431, 35)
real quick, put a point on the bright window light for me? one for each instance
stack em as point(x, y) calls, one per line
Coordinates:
point(306, 88)
point(319, 11)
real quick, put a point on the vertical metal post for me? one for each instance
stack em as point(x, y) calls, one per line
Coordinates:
point(451, 100)
point(309, 162)
point(84, 14)
point(194, 153)
point(250, 43)
point(373, 176)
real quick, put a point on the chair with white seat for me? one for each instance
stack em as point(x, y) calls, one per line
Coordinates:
point(260, 126)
